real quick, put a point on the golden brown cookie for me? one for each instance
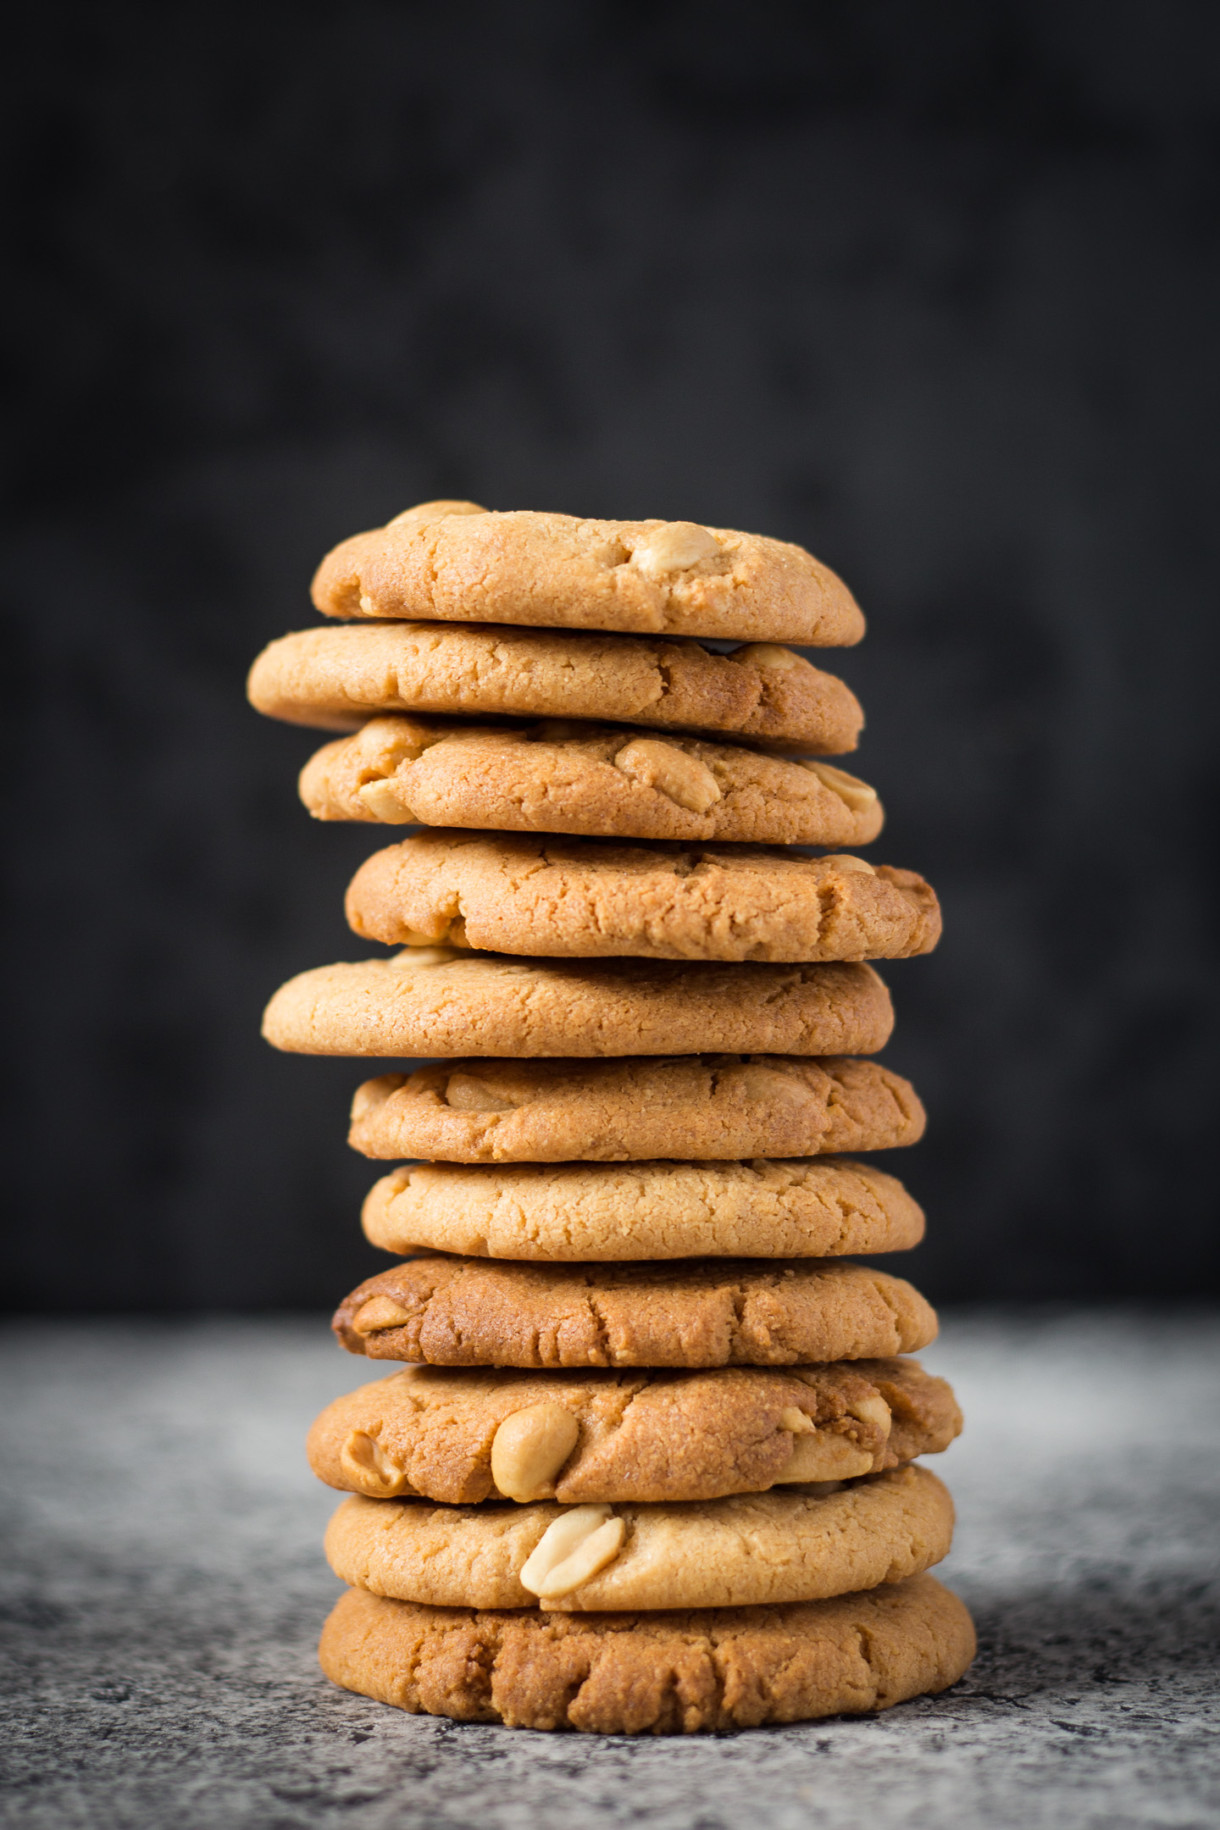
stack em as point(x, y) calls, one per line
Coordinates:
point(705, 1106)
point(336, 678)
point(587, 898)
point(435, 1001)
point(796, 1207)
point(599, 780)
point(465, 1435)
point(562, 572)
point(662, 1673)
point(446, 1311)
point(741, 1551)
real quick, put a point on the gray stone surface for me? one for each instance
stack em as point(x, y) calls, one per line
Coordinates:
point(163, 1588)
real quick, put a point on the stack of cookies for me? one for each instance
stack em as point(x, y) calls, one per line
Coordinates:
point(651, 1463)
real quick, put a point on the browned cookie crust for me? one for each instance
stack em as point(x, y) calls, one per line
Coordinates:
point(600, 780)
point(640, 1436)
point(661, 1674)
point(800, 1544)
point(798, 1207)
point(336, 678)
point(432, 1001)
point(446, 1311)
point(585, 898)
point(561, 572)
point(703, 1106)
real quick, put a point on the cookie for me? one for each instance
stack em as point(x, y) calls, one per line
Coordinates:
point(798, 1207)
point(466, 1435)
point(661, 1674)
point(445, 1311)
point(744, 1551)
point(706, 1106)
point(589, 898)
point(562, 572)
point(336, 678)
point(616, 782)
point(436, 1001)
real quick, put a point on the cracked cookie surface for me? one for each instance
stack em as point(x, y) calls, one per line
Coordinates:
point(595, 780)
point(589, 898)
point(445, 1311)
point(740, 1551)
point(564, 572)
point(665, 1673)
point(717, 1106)
point(794, 1207)
point(336, 678)
point(640, 1436)
point(435, 1001)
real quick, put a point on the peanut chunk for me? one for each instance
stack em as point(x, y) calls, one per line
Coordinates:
point(823, 1457)
point(571, 1549)
point(465, 1093)
point(370, 1469)
point(850, 789)
point(844, 861)
point(765, 1083)
point(434, 511)
point(386, 801)
point(674, 547)
point(768, 656)
point(873, 1410)
point(529, 1449)
point(379, 1312)
point(686, 780)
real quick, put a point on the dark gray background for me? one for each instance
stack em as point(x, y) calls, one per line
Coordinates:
point(930, 288)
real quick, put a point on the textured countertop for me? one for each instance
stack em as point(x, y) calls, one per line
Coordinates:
point(163, 1586)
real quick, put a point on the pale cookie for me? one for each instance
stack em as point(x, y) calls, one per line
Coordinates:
point(336, 678)
point(435, 1001)
point(704, 1106)
point(465, 1435)
point(644, 577)
point(585, 899)
point(660, 1674)
point(798, 1207)
point(746, 1550)
point(580, 778)
point(446, 1311)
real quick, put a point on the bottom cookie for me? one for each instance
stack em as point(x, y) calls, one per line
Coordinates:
point(671, 1673)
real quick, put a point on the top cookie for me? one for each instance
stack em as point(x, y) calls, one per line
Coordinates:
point(457, 563)
point(336, 678)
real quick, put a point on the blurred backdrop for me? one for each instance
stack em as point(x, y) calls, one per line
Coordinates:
point(931, 289)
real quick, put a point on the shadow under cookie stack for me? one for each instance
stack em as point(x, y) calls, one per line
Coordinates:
point(651, 1464)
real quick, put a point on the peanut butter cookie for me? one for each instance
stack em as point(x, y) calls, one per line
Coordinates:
point(465, 1435)
point(661, 1674)
point(336, 678)
point(598, 780)
point(706, 1106)
point(795, 1207)
point(445, 1311)
point(437, 1001)
point(586, 899)
point(441, 562)
point(742, 1551)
